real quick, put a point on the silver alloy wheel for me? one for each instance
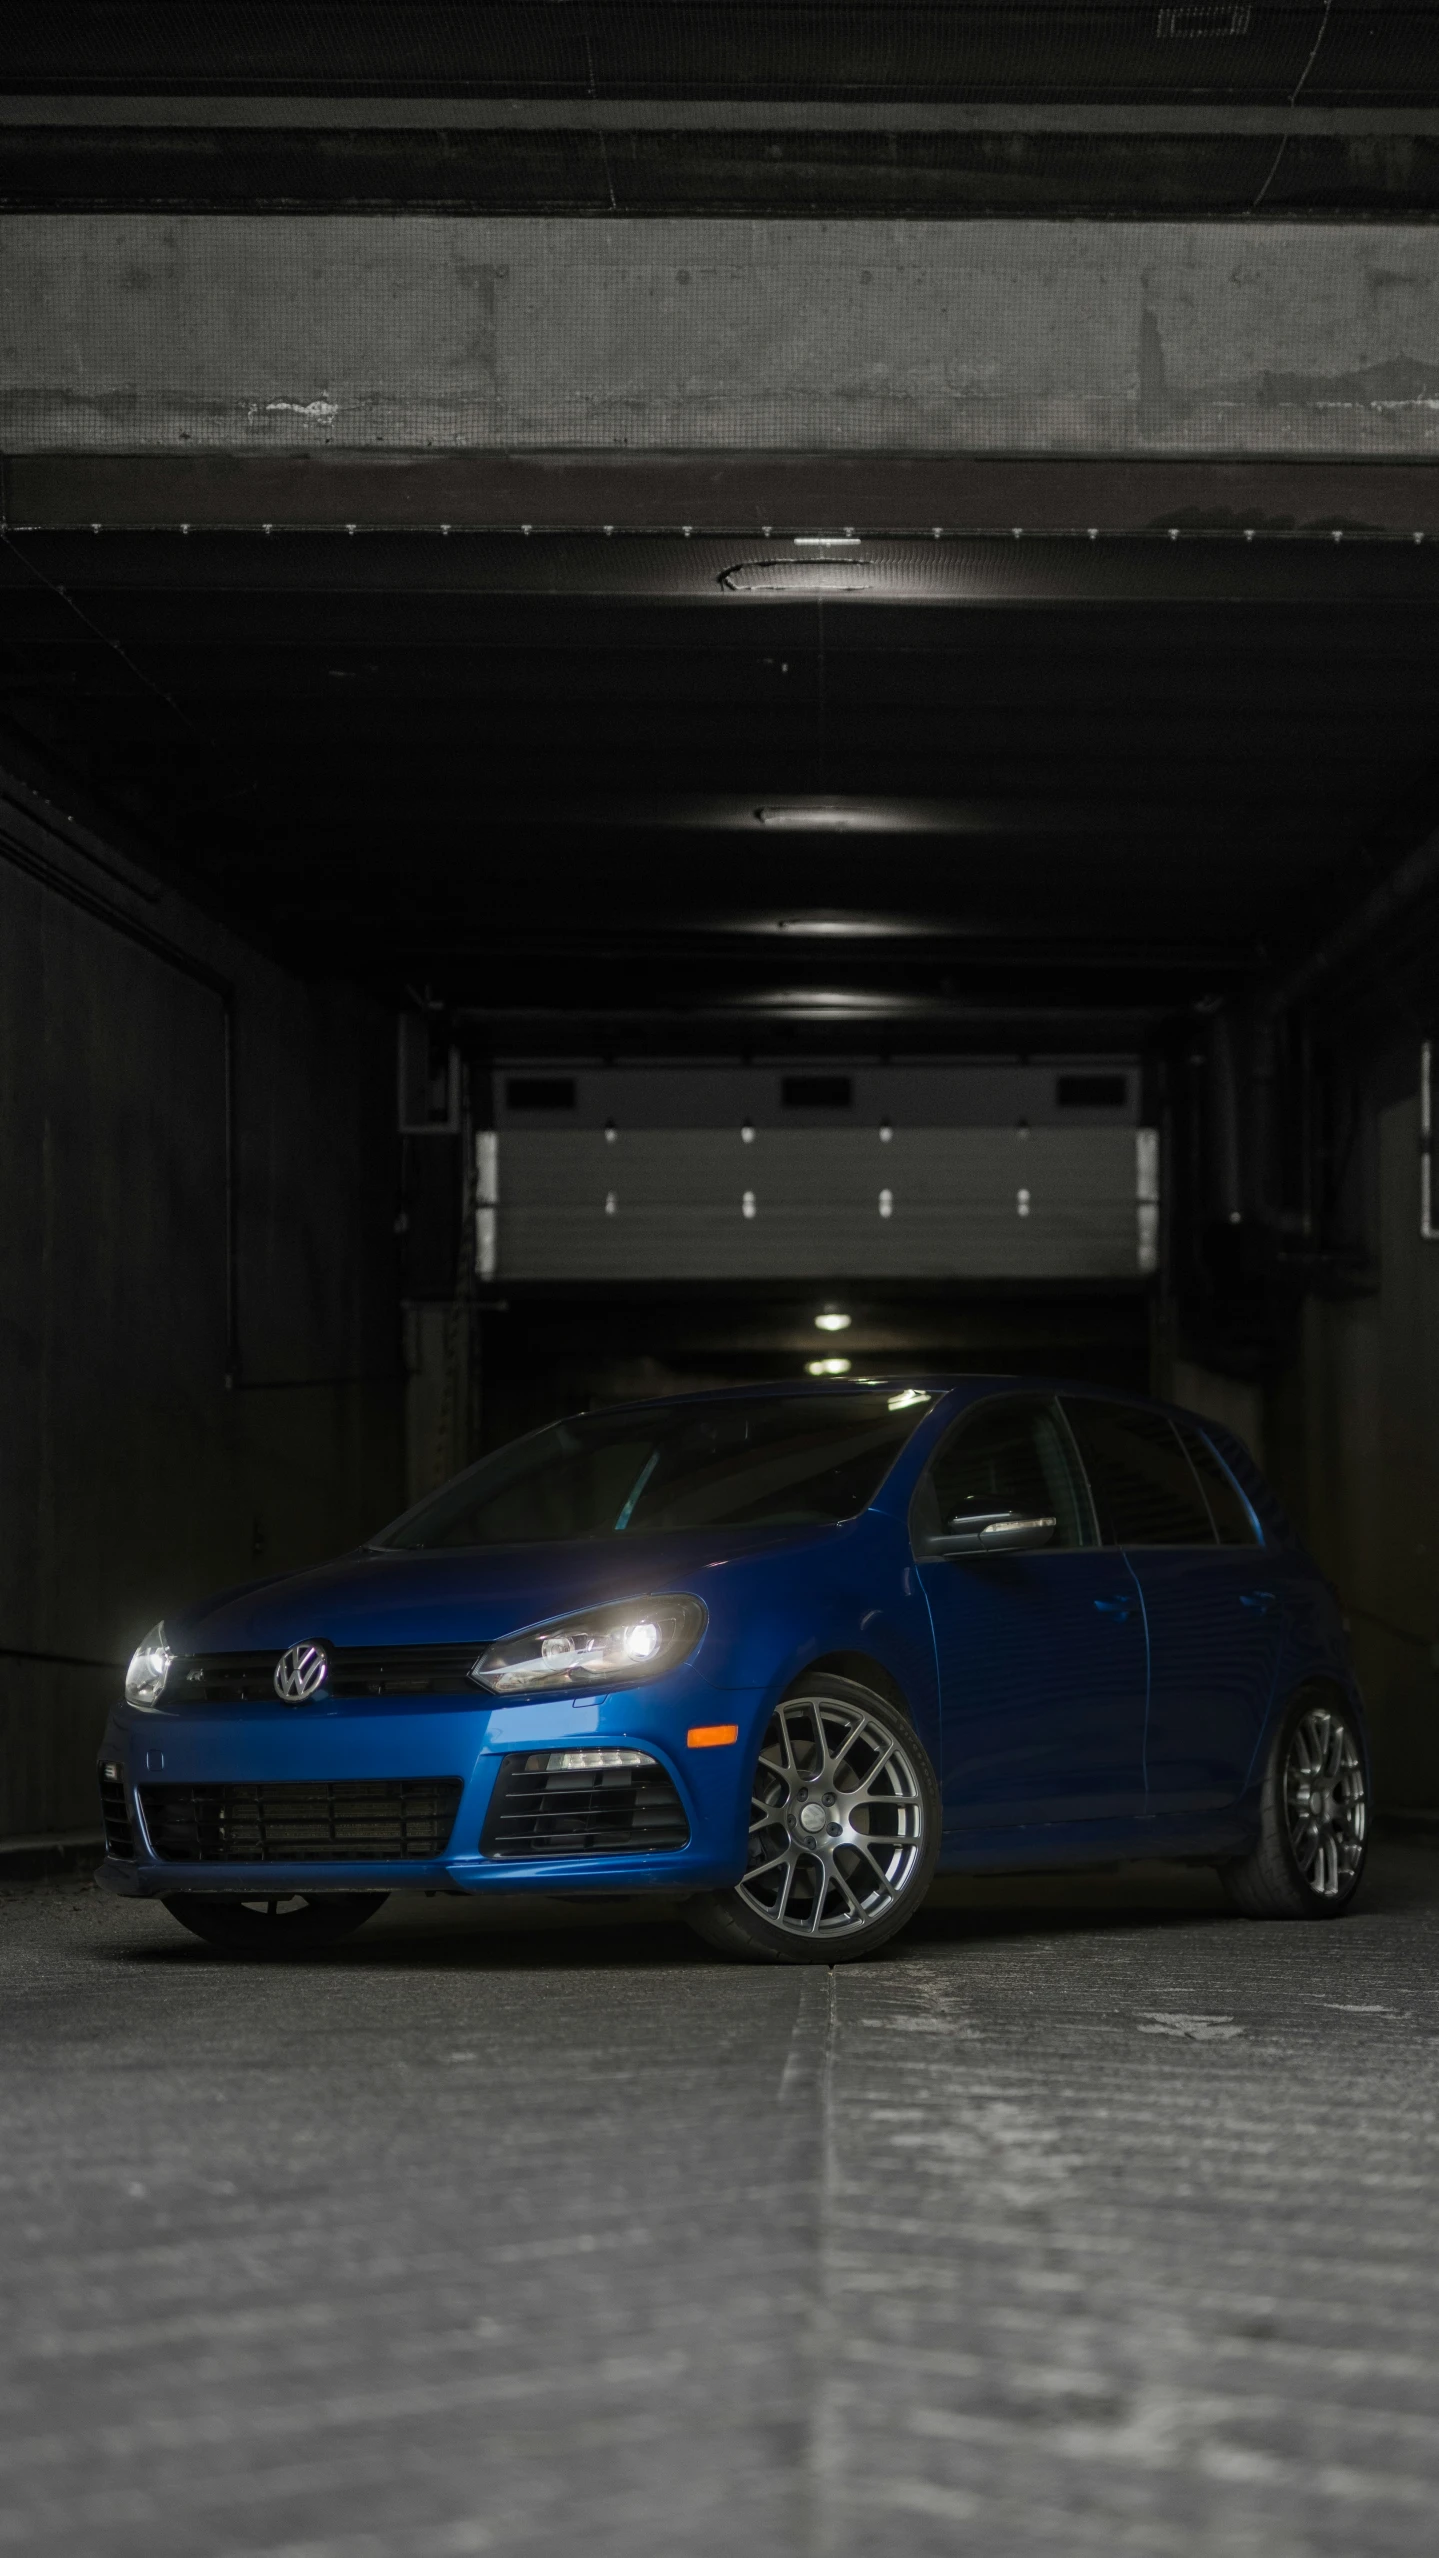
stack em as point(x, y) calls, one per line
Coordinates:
point(836, 1820)
point(1325, 1802)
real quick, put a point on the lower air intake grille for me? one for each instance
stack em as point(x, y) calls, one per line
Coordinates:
point(115, 1812)
point(390, 1820)
point(541, 1807)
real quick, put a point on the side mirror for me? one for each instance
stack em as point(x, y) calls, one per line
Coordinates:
point(993, 1532)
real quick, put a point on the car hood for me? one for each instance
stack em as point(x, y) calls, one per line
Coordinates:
point(475, 1595)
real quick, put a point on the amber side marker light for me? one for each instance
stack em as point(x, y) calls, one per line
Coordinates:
point(712, 1736)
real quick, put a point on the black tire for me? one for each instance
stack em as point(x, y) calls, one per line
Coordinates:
point(273, 1928)
point(1308, 1859)
point(838, 1894)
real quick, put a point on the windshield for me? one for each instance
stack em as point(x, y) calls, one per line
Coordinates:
point(758, 1462)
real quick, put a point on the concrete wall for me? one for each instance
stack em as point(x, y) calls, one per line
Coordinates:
point(409, 332)
point(1355, 1443)
point(439, 1390)
point(1349, 1434)
point(134, 1477)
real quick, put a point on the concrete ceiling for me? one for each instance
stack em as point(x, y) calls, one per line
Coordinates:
point(1083, 780)
point(657, 526)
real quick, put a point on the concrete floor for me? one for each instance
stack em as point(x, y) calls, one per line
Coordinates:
point(1089, 2220)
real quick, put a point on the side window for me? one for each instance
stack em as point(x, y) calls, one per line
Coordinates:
point(1009, 1455)
point(1227, 1505)
point(1145, 1489)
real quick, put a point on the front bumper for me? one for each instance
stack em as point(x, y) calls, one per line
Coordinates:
point(461, 1738)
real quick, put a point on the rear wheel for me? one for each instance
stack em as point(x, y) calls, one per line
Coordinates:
point(277, 1925)
point(844, 1832)
point(1313, 1819)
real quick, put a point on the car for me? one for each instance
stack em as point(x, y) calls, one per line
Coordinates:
point(782, 1653)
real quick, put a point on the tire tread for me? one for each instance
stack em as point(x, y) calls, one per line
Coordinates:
point(1266, 1884)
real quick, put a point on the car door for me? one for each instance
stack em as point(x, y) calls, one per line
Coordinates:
point(1213, 1614)
point(1041, 1653)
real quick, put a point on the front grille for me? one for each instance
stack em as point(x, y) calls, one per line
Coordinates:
point(540, 1808)
point(115, 1813)
point(248, 1678)
point(383, 1820)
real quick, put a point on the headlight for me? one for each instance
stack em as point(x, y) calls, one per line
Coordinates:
point(609, 1647)
point(149, 1668)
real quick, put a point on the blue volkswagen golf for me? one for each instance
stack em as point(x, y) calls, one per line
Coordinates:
point(785, 1652)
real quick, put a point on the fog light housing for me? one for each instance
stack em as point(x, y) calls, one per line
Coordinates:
point(578, 1762)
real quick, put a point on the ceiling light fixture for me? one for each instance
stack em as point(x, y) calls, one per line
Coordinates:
point(835, 1003)
point(831, 817)
point(827, 1367)
point(832, 1320)
point(845, 927)
point(841, 571)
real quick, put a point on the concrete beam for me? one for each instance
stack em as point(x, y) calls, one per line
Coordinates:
point(450, 114)
point(742, 494)
point(43, 575)
point(247, 334)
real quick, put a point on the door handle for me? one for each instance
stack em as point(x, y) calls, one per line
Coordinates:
point(1123, 1606)
point(1261, 1599)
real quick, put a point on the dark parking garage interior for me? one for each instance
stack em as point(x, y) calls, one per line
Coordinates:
point(684, 692)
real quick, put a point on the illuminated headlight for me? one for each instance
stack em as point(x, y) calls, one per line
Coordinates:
point(610, 1647)
point(149, 1669)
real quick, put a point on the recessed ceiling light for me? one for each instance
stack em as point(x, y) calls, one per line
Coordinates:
point(832, 1321)
point(830, 817)
point(845, 927)
point(821, 1003)
point(827, 1367)
point(832, 572)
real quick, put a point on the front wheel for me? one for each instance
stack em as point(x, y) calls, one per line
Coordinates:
point(844, 1832)
point(1313, 1817)
point(282, 1924)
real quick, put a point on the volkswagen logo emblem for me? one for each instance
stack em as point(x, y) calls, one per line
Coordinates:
point(300, 1672)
